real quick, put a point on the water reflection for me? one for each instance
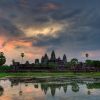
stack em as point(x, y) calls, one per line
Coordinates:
point(75, 87)
point(1, 90)
point(36, 86)
point(29, 89)
point(20, 89)
point(89, 92)
point(93, 85)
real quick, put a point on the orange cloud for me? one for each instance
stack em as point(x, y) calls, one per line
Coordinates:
point(13, 44)
point(12, 50)
point(2, 40)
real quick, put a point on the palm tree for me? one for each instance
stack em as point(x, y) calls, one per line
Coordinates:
point(2, 58)
point(22, 55)
point(87, 55)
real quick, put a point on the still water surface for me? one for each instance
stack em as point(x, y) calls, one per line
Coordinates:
point(25, 90)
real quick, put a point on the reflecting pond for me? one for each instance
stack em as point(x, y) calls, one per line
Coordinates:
point(16, 89)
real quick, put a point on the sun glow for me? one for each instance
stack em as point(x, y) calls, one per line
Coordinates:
point(49, 30)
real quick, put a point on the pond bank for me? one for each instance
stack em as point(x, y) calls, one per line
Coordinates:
point(48, 75)
point(50, 79)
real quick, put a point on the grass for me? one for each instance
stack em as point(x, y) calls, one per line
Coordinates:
point(53, 74)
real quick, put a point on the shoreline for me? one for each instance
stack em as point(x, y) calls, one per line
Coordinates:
point(51, 79)
point(49, 75)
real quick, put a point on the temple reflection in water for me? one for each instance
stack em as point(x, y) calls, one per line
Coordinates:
point(49, 86)
point(31, 88)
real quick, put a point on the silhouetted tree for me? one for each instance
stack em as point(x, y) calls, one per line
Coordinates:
point(87, 55)
point(22, 55)
point(74, 62)
point(2, 58)
point(89, 63)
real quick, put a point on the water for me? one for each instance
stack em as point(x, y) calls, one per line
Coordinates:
point(49, 90)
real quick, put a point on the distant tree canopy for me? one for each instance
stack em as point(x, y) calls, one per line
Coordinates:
point(2, 59)
point(93, 63)
point(74, 61)
point(6, 68)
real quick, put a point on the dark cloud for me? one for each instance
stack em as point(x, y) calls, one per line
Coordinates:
point(65, 15)
point(82, 17)
point(42, 19)
point(9, 29)
point(76, 40)
point(43, 40)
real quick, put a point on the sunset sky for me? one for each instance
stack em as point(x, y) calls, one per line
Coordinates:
point(38, 26)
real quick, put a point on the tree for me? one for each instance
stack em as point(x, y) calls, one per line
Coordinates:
point(89, 63)
point(2, 59)
point(74, 62)
point(53, 57)
point(22, 55)
point(87, 55)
